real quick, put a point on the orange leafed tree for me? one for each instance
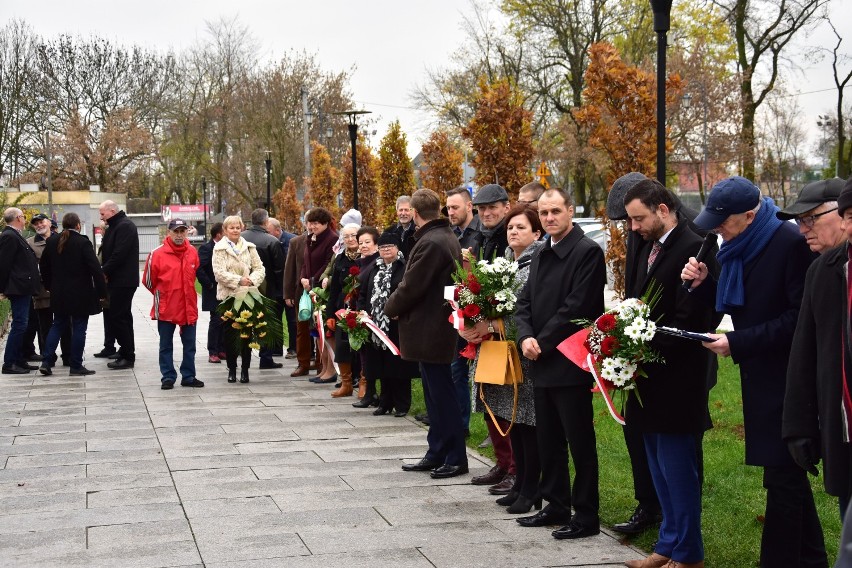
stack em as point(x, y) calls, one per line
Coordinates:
point(619, 111)
point(325, 181)
point(500, 134)
point(395, 171)
point(442, 163)
point(287, 207)
point(368, 182)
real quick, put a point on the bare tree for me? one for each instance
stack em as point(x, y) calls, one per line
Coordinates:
point(18, 99)
point(782, 137)
point(844, 154)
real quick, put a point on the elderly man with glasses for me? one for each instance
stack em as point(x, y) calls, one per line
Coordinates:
point(19, 281)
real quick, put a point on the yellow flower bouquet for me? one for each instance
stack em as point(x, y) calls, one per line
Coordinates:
point(255, 316)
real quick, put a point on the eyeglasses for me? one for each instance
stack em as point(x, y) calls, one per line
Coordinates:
point(527, 203)
point(811, 219)
point(386, 247)
point(350, 236)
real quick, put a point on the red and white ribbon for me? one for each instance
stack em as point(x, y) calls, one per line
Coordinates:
point(371, 325)
point(320, 330)
point(602, 387)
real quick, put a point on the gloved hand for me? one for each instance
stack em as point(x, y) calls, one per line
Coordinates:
point(805, 453)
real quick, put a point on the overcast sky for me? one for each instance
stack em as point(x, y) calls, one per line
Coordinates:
point(389, 43)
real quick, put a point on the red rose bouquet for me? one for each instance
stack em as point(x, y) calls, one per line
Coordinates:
point(350, 285)
point(352, 324)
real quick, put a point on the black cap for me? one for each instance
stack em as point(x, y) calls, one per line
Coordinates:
point(389, 238)
point(812, 196)
point(38, 217)
point(177, 224)
point(615, 200)
point(844, 200)
point(491, 193)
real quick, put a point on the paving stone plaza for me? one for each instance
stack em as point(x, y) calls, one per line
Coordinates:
point(109, 470)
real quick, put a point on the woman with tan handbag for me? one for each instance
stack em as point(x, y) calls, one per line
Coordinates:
point(524, 232)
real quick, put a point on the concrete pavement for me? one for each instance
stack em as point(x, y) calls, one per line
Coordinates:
point(109, 470)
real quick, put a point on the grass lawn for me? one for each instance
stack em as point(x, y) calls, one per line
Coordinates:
point(734, 498)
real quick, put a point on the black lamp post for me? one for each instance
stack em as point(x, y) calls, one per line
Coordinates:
point(204, 206)
point(268, 180)
point(662, 22)
point(352, 115)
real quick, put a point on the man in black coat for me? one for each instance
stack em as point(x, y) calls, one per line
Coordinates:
point(817, 413)
point(566, 283)
point(668, 405)
point(764, 261)
point(209, 303)
point(492, 203)
point(426, 335)
point(19, 282)
point(284, 239)
point(120, 261)
point(405, 226)
point(269, 250)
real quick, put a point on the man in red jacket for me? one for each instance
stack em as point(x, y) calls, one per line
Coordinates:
point(170, 276)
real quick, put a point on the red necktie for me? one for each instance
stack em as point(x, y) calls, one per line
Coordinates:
point(655, 250)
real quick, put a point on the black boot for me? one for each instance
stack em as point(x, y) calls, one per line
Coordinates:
point(508, 499)
point(244, 378)
point(232, 374)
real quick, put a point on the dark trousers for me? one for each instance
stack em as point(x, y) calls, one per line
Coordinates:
point(120, 316)
point(396, 394)
point(527, 466)
point(214, 334)
point(792, 533)
point(564, 420)
point(234, 348)
point(42, 320)
point(109, 336)
point(502, 444)
point(445, 437)
point(643, 485)
point(303, 344)
point(32, 331)
point(461, 381)
point(673, 461)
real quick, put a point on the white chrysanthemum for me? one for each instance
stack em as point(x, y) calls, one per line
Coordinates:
point(639, 322)
point(633, 332)
point(617, 370)
point(650, 331)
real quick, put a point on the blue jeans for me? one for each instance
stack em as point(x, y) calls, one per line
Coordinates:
point(166, 330)
point(20, 319)
point(61, 322)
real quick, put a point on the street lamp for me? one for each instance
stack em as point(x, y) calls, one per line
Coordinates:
point(662, 22)
point(268, 180)
point(825, 123)
point(352, 115)
point(204, 205)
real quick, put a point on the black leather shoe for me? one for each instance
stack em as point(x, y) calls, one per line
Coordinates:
point(381, 411)
point(104, 353)
point(15, 370)
point(495, 475)
point(365, 402)
point(45, 370)
point(244, 376)
point(34, 358)
point(508, 499)
point(27, 366)
point(271, 365)
point(642, 519)
point(504, 486)
point(120, 364)
point(114, 356)
point(193, 383)
point(232, 375)
point(448, 470)
point(522, 505)
point(422, 465)
point(422, 417)
point(544, 518)
point(81, 371)
point(575, 530)
point(167, 385)
point(400, 413)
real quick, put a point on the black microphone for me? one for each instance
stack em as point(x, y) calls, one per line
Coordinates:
point(709, 242)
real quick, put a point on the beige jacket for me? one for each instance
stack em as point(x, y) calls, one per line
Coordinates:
point(232, 262)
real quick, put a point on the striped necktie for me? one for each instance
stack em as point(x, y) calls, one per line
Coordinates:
point(655, 250)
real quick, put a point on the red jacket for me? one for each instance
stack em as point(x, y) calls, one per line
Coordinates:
point(170, 276)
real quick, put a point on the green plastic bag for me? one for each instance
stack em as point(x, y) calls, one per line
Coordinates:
point(305, 307)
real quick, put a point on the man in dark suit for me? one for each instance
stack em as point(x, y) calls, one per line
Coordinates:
point(405, 226)
point(284, 238)
point(209, 303)
point(764, 261)
point(566, 283)
point(292, 292)
point(426, 335)
point(120, 258)
point(19, 281)
point(269, 250)
point(669, 404)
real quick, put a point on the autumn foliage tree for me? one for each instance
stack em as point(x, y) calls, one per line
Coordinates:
point(288, 209)
point(395, 172)
point(369, 181)
point(442, 163)
point(324, 184)
point(500, 135)
point(620, 114)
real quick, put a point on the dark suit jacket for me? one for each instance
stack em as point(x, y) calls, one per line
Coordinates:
point(272, 256)
point(425, 332)
point(18, 265)
point(812, 406)
point(566, 283)
point(293, 267)
point(674, 394)
point(205, 276)
point(120, 252)
point(762, 338)
point(74, 276)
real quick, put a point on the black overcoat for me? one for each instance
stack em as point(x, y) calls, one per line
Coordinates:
point(120, 252)
point(674, 394)
point(74, 276)
point(18, 265)
point(425, 331)
point(205, 276)
point(566, 283)
point(272, 256)
point(812, 403)
point(762, 337)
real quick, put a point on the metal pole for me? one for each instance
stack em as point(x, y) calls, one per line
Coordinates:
point(704, 94)
point(662, 10)
point(268, 180)
point(353, 137)
point(204, 206)
point(49, 174)
point(306, 136)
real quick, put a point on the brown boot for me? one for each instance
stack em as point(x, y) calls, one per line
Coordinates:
point(362, 387)
point(345, 381)
point(653, 561)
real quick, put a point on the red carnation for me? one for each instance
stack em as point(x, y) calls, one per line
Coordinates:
point(609, 345)
point(606, 322)
point(469, 351)
point(354, 271)
point(351, 322)
point(474, 287)
point(471, 311)
point(471, 278)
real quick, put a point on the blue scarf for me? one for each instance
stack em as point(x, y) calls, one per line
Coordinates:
point(734, 254)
